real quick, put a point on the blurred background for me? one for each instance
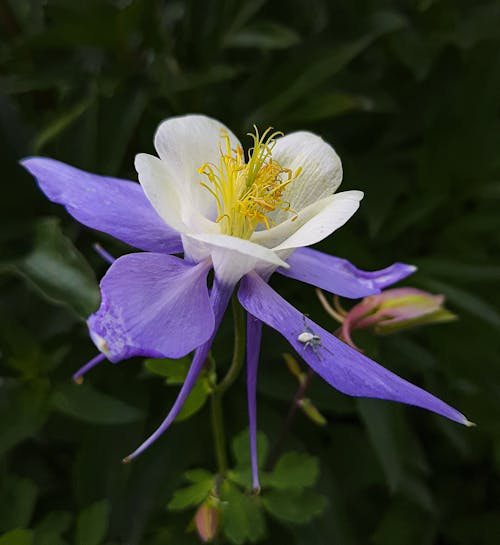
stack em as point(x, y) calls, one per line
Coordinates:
point(408, 92)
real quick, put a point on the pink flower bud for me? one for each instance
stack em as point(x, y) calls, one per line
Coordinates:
point(207, 521)
point(393, 310)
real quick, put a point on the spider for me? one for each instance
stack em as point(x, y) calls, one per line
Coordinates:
point(310, 339)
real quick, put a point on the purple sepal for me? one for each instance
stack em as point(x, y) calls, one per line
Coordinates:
point(117, 207)
point(154, 305)
point(254, 337)
point(341, 366)
point(339, 276)
point(219, 298)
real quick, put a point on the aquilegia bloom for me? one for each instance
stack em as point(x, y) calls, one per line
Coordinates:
point(246, 219)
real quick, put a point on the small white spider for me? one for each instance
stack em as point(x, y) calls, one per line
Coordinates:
point(310, 339)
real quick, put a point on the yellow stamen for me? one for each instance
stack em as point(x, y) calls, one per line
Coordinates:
point(246, 193)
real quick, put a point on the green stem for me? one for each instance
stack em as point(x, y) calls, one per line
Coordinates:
point(279, 445)
point(238, 349)
point(219, 390)
point(218, 433)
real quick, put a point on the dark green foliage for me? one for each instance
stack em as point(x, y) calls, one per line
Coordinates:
point(408, 93)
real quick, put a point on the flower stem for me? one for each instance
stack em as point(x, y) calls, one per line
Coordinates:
point(218, 433)
point(219, 390)
point(287, 425)
point(238, 349)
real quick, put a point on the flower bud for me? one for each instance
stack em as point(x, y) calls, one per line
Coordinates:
point(207, 521)
point(394, 310)
point(312, 412)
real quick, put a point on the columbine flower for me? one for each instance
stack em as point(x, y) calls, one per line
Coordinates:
point(394, 310)
point(244, 217)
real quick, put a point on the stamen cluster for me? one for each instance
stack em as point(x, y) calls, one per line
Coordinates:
point(247, 193)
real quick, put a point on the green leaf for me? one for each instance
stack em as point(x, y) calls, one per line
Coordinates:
point(402, 523)
point(327, 106)
point(17, 498)
point(381, 425)
point(92, 524)
point(263, 35)
point(174, 371)
point(329, 63)
point(61, 123)
point(23, 410)
point(195, 400)
point(85, 403)
point(296, 506)
point(241, 448)
point(51, 528)
point(243, 519)
point(196, 475)
point(59, 271)
point(450, 268)
point(17, 537)
point(294, 470)
point(465, 300)
point(194, 494)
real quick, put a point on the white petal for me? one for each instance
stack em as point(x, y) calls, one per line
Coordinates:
point(271, 238)
point(165, 196)
point(321, 169)
point(340, 208)
point(232, 257)
point(162, 193)
point(184, 144)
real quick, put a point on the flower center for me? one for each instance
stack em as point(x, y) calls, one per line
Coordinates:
point(247, 193)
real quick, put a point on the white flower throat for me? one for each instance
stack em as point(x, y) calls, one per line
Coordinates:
point(247, 193)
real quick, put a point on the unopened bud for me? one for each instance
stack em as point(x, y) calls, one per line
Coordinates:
point(294, 367)
point(207, 521)
point(312, 412)
point(394, 310)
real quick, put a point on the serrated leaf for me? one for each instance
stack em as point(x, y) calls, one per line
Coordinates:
point(243, 519)
point(59, 271)
point(294, 470)
point(92, 524)
point(17, 537)
point(296, 506)
point(240, 446)
point(175, 372)
point(196, 475)
point(88, 404)
point(191, 495)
